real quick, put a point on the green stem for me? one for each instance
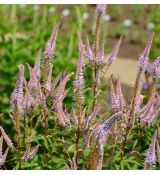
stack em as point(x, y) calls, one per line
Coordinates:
point(96, 66)
point(79, 105)
point(19, 140)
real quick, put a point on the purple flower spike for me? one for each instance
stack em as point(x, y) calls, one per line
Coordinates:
point(78, 83)
point(150, 68)
point(33, 82)
point(150, 156)
point(100, 56)
point(120, 97)
point(3, 158)
point(113, 96)
point(6, 138)
point(89, 52)
point(143, 60)
point(150, 159)
point(101, 8)
point(37, 65)
point(157, 67)
point(114, 53)
point(50, 46)
point(17, 94)
point(104, 128)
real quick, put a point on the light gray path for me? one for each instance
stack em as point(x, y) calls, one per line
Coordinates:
point(126, 68)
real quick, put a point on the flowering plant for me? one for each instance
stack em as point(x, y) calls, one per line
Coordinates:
point(49, 135)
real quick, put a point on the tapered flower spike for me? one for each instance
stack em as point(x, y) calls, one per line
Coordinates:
point(17, 94)
point(66, 117)
point(1, 145)
point(94, 113)
point(81, 49)
point(34, 151)
point(74, 119)
point(78, 83)
point(49, 53)
point(119, 95)
point(33, 82)
point(114, 53)
point(58, 93)
point(65, 94)
point(62, 117)
point(157, 67)
point(26, 155)
point(28, 101)
point(3, 158)
point(6, 138)
point(101, 8)
point(100, 56)
point(113, 95)
point(153, 116)
point(91, 117)
point(50, 46)
point(92, 130)
point(150, 158)
point(104, 128)
point(147, 109)
point(37, 65)
point(143, 60)
point(89, 52)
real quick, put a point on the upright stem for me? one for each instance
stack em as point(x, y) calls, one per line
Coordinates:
point(79, 105)
point(152, 89)
point(19, 140)
point(45, 113)
point(137, 88)
point(25, 125)
point(96, 66)
point(131, 117)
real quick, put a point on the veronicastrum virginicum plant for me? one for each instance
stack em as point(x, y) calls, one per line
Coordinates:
point(51, 136)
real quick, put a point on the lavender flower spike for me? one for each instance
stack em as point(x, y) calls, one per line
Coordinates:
point(26, 155)
point(144, 56)
point(6, 138)
point(3, 158)
point(104, 128)
point(50, 46)
point(89, 52)
point(157, 67)
point(78, 83)
point(113, 96)
point(120, 97)
point(101, 8)
point(34, 151)
point(114, 53)
point(17, 94)
point(37, 65)
point(150, 159)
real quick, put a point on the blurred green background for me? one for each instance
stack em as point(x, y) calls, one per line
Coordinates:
point(24, 29)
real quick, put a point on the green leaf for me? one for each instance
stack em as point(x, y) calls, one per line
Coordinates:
point(46, 144)
point(135, 144)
